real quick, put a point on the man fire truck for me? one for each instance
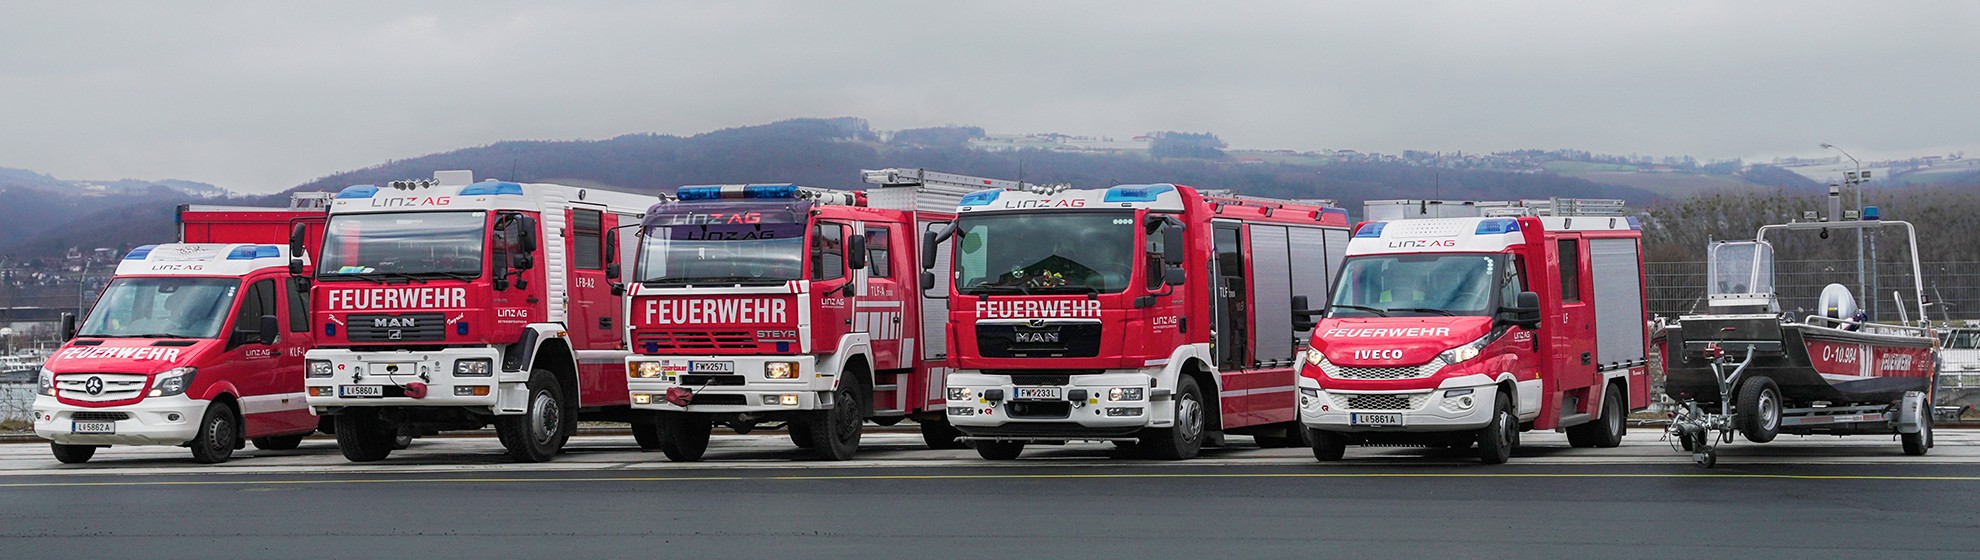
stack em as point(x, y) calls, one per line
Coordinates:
point(1454, 332)
point(1158, 317)
point(450, 304)
point(760, 304)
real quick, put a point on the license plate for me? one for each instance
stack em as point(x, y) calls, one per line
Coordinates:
point(711, 367)
point(360, 390)
point(1040, 393)
point(94, 428)
point(1377, 419)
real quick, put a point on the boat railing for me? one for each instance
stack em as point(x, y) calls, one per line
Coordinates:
point(1868, 327)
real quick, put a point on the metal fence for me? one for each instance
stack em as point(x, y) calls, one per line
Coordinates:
point(16, 402)
point(1951, 287)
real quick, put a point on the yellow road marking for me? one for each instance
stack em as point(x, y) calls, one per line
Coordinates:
point(1035, 476)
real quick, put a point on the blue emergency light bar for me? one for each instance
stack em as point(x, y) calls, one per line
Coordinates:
point(358, 191)
point(980, 198)
point(252, 252)
point(1495, 226)
point(140, 253)
point(1370, 230)
point(491, 187)
point(784, 191)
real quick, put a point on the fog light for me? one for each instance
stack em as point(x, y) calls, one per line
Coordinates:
point(642, 398)
point(780, 370)
point(769, 400)
point(319, 391)
point(1125, 394)
point(1123, 411)
point(173, 417)
point(471, 391)
point(646, 370)
point(477, 367)
point(962, 411)
point(961, 394)
point(1309, 391)
point(787, 400)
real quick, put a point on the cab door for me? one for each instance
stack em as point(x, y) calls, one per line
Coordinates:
point(829, 278)
point(255, 370)
point(882, 304)
point(593, 314)
point(1572, 331)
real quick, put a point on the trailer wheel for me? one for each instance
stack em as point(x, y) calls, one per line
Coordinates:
point(1327, 446)
point(1917, 444)
point(218, 435)
point(1185, 438)
point(646, 431)
point(835, 434)
point(1758, 410)
point(362, 436)
point(540, 431)
point(940, 434)
point(278, 443)
point(1606, 431)
point(72, 454)
point(1497, 438)
point(684, 435)
point(999, 450)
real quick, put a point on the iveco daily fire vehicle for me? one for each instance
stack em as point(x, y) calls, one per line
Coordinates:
point(450, 304)
point(784, 304)
point(197, 344)
point(1156, 316)
point(1460, 331)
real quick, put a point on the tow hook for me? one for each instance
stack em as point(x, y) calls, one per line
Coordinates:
point(416, 390)
point(679, 396)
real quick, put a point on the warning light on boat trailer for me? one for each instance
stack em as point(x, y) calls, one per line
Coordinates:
point(1870, 213)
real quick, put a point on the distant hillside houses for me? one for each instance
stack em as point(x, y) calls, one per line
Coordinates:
point(1056, 142)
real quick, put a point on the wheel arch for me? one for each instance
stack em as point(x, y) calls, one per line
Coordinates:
point(554, 355)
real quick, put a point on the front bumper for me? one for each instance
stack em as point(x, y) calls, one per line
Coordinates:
point(1094, 418)
point(394, 372)
point(1437, 410)
point(757, 393)
point(153, 421)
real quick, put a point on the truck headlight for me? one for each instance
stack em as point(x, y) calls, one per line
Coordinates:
point(1466, 352)
point(1125, 394)
point(474, 367)
point(961, 394)
point(646, 370)
point(173, 382)
point(46, 382)
point(780, 370)
point(318, 369)
point(1315, 357)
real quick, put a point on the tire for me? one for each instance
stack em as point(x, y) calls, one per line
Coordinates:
point(1327, 446)
point(1919, 443)
point(539, 433)
point(72, 454)
point(1497, 439)
point(684, 435)
point(1607, 430)
point(1185, 438)
point(646, 432)
point(363, 437)
point(835, 433)
point(999, 450)
point(800, 434)
point(1758, 410)
point(279, 443)
point(940, 434)
point(400, 442)
point(219, 433)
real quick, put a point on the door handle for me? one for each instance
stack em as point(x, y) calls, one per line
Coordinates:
point(605, 323)
point(1586, 357)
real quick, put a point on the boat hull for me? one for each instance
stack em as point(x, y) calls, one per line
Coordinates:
point(1809, 363)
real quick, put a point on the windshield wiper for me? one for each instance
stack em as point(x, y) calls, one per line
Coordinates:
point(999, 289)
point(1363, 308)
point(1424, 310)
point(462, 276)
point(147, 335)
point(714, 279)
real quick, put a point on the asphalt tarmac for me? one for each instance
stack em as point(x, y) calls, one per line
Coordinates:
point(456, 498)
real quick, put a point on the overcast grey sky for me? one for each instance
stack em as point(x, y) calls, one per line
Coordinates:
point(260, 96)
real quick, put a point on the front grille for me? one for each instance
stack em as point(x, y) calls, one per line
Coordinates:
point(710, 380)
point(402, 327)
point(110, 386)
point(1356, 372)
point(1047, 340)
point(731, 400)
point(1393, 401)
point(94, 416)
point(657, 342)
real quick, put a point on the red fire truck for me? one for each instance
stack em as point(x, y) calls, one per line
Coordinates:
point(448, 304)
point(758, 304)
point(1455, 332)
point(1158, 317)
point(197, 344)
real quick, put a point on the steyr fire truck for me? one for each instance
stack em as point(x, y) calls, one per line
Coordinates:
point(1158, 317)
point(1454, 332)
point(450, 304)
point(758, 304)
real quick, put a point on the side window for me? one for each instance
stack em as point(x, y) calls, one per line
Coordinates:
point(1514, 281)
point(878, 240)
point(260, 301)
point(298, 306)
point(587, 240)
point(828, 252)
point(1151, 256)
point(1570, 250)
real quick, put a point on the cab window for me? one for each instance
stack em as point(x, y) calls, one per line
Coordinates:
point(828, 252)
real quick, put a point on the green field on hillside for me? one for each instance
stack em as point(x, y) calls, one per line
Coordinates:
point(1568, 167)
point(1668, 184)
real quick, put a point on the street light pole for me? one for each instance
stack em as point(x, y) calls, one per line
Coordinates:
point(1861, 287)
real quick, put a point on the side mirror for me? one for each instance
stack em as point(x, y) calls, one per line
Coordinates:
point(1173, 276)
point(618, 289)
point(68, 326)
point(1302, 315)
point(526, 238)
point(270, 328)
point(856, 252)
point(1525, 311)
point(1172, 242)
point(612, 254)
point(522, 261)
point(927, 280)
point(928, 241)
point(501, 279)
point(297, 235)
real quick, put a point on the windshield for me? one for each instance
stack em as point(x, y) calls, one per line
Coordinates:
point(1419, 284)
point(722, 252)
point(1045, 253)
point(441, 243)
point(162, 308)
point(1741, 267)
point(1962, 340)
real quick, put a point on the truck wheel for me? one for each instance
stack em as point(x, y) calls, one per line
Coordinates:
point(1497, 438)
point(940, 434)
point(1607, 430)
point(540, 431)
point(218, 434)
point(1185, 438)
point(72, 454)
point(1327, 446)
point(835, 434)
point(278, 443)
point(684, 435)
point(999, 450)
point(1919, 443)
point(1758, 410)
point(800, 434)
point(362, 436)
point(646, 432)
